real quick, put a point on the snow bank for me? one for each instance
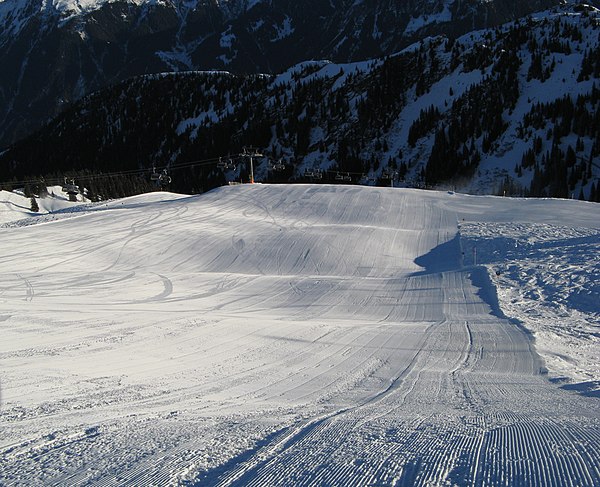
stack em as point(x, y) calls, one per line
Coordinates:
point(548, 278)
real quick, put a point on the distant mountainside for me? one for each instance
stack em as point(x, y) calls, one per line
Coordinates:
point(53, 52)
point(509, 110)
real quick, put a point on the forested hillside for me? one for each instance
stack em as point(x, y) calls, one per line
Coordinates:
point(509, 110)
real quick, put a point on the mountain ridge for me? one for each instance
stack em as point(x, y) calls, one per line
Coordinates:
point(510, 110)
point(54, 54)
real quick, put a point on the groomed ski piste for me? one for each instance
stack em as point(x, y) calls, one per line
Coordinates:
point(290, 335)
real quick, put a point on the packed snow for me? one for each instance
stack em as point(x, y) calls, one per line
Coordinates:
point(302, 335)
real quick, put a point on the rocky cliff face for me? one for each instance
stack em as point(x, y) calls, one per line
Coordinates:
point(52, 53)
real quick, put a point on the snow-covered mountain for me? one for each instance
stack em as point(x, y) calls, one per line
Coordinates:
point(511, 110)
point(54, 52)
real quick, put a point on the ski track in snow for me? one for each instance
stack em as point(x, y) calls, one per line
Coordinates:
point(302, 335)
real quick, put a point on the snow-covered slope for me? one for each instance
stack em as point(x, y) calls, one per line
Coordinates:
point(15, 206)
point(294, 335)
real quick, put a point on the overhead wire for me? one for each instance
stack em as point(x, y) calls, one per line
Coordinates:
point(106, 175)
point(170, 167)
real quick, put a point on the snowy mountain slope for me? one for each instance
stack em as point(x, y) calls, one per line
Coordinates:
point(54, 52)
point(277, 335)
point(512, 109)
point(16, 206)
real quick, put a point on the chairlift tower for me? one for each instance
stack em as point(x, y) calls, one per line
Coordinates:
point(391, 175)
point(251, 152)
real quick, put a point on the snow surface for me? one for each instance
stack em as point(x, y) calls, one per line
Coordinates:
point(302, 335)
point(548, 276)
point(15, 206)
point(285, 30)
point(416, 23)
